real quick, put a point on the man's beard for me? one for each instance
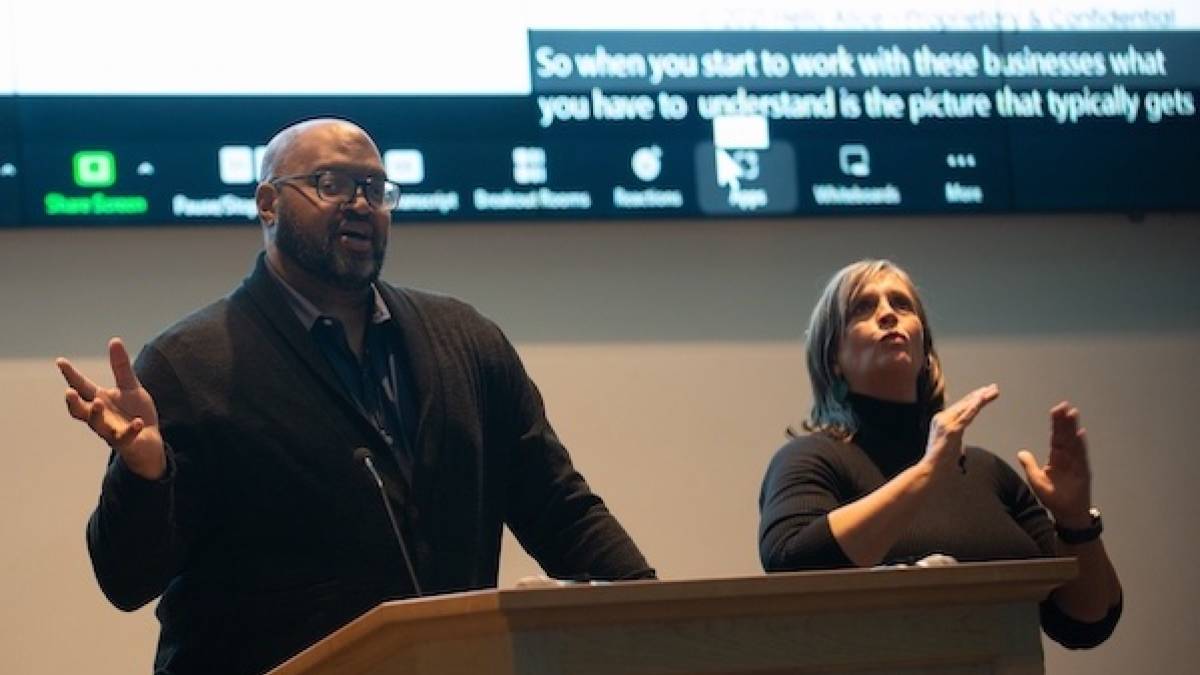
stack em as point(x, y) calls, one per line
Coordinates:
point(322, 258)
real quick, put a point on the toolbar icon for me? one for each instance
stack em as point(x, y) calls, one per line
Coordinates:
point(854, 160)
point(406, 167)
point(529, 165)
point(743, 171)
point(236, 164)
point(961, 160)
point(735, 166)
point(743, 180)
point(94, 168)
point(737, 142)
point(646, 162)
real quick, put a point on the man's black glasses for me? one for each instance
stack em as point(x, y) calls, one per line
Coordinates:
point(341, 187)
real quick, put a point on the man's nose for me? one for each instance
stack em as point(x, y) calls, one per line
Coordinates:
point(358, 202)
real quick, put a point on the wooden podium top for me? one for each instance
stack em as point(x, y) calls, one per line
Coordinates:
point(391, 625)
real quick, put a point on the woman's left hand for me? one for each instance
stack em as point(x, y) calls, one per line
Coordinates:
point(1064, 484)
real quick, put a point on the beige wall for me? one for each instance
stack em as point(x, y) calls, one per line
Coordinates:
point(669, 357)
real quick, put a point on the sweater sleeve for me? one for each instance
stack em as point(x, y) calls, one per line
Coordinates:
point(798, 492)
point(1032, 517)
point(550, 508)
point(135, 536)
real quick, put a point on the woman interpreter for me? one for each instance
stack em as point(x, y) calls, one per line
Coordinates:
point(883, 475)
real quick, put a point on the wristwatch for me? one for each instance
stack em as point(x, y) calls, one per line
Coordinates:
point(1082, 536)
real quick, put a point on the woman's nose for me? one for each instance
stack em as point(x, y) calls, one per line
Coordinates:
point(886, 317)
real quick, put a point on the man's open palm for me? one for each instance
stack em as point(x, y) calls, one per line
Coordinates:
point(124, 415)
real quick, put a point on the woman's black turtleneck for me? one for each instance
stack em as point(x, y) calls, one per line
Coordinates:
point(985, 513)
point(892, 434)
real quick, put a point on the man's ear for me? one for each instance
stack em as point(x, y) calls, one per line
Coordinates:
point(264, 198)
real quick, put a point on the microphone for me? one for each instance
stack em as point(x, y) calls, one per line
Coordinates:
point(364, 455)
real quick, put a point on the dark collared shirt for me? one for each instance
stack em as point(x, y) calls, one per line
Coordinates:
point(375, 381)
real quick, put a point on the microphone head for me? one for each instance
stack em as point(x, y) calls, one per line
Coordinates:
point(361, 454)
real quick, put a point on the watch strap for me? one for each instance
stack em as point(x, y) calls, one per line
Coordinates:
point(1084, 535)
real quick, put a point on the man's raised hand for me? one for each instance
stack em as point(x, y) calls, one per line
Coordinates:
point(124, 415)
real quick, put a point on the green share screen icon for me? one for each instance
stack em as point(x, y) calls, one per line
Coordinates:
point(94, 168)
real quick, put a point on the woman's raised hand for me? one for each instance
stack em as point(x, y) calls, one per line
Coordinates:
point(1064, 484)
point(944, 450)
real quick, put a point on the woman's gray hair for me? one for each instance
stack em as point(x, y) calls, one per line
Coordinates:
point(831, 413)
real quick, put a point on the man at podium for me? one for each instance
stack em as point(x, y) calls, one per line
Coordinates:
point(320, 441)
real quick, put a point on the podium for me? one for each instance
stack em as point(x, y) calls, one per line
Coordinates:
point(966, 618)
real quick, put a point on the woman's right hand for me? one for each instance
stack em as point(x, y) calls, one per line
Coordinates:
point(944, 450)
